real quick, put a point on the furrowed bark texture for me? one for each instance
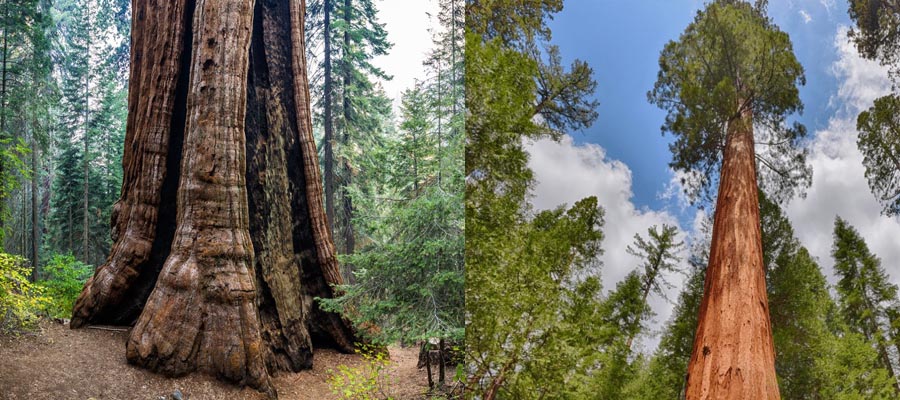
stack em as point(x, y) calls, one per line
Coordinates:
point(321, 276)
point(234, 279)
point(295, 261)
point(143, 220)
point(202, 315)
point(733, 356)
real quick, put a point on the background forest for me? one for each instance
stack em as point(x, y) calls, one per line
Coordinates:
point(540, 322)
point(392, 167)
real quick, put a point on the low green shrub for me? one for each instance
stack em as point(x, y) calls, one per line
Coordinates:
point(63, 278)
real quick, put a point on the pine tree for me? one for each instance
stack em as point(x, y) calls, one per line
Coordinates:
point(664, 375)
point(93, 114)
point(352, 107)
point(868, 301)
point(659, 257)
point(24, 96)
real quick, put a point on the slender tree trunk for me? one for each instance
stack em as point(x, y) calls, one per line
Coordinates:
point(328, 117)
point(733, 356)
point(3, 110)
point(645, 292)
point(877, 335)
point(24, 193)
point(45, 183)
point(85, 254)
point(235, 273)
point(415, 164)
point(453, 28)
point(347, 210)
point(428, 364)
point(441, 362)
point(35, 210)
point(439, 133)
point(71, 234)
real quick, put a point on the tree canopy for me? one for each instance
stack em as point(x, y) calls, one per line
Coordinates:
point(730, 59)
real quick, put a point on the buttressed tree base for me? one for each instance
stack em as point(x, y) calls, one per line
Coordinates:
point(220, 237)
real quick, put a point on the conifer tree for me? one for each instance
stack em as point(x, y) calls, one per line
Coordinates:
point(659, 257)
point(352, 106)
point(867, 298)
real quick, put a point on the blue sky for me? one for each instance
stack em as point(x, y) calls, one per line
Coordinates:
point(621, 40)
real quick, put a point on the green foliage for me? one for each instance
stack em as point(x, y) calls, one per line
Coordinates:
point(412, 285)
point(357, 110)
point(499, 99)
point(21, 302)
point(370, 381)
point(877, 30)
point(877, 37)
point(521, 289)
point(531, 278)
point(511, 21)
point(563, 97)
point(26, 95)
point(659, 256)
point(879, 141)
point(91, 121)
point(406, 197)
point(867, 298)
point(64, 277)
point(846, 365)
point(732, 59)
point(663, 375)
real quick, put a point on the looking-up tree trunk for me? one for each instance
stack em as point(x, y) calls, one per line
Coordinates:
point(219, 129)
point(733, 68)
point(734, 314)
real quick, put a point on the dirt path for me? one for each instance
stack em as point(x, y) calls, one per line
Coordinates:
point(58, 363)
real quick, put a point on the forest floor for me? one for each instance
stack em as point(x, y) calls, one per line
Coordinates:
point(59, 363)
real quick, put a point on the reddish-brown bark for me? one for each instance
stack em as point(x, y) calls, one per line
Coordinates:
point(234, 276)
point(733, 354)
point(117, 291)
point(202, 315)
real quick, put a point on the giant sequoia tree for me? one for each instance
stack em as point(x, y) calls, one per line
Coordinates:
point(729, 81)
point(221, 241)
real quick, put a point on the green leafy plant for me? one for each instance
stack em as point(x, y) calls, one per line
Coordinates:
point(21, 302)
point(369, 381)
point(64, 276)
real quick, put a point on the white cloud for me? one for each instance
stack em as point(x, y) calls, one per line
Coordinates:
point(839, 185)
point(805, 16)
point(407, 25)
point(567, 172)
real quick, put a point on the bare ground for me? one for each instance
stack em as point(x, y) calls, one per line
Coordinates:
point(58, 363)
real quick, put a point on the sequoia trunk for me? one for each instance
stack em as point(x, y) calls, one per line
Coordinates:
point(733, 354)
point(234, 276)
